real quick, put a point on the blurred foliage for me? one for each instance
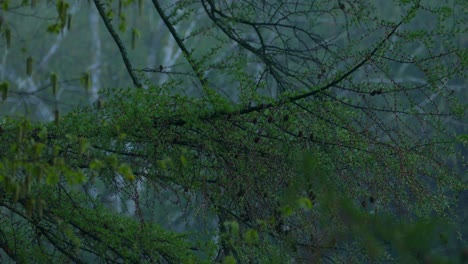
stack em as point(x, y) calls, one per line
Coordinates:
point(264, 132)
point(361, 235)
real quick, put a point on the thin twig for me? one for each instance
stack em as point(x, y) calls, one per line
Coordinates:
point(118, 41)
point(195, 67)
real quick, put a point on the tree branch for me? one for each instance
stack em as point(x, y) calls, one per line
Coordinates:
point(196, 68)
point(118, 41)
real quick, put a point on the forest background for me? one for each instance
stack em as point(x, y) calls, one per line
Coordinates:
point(208, 131)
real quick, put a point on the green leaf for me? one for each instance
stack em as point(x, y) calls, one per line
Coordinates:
point(304, 203)
point(135, 34)
point(126, 171)
point(77, 177)
point(54, 28)
point(52, 177)
point(38, 148)
point(286, 210)
point(4, 89)
point(96, 165)
point(112, 161)
point(233, 227)
point(251, 237)
point(83, 145)
point(183, 160)
point(229, 260)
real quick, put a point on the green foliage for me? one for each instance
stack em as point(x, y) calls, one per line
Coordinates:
point(369, 236)
point(323, 137)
